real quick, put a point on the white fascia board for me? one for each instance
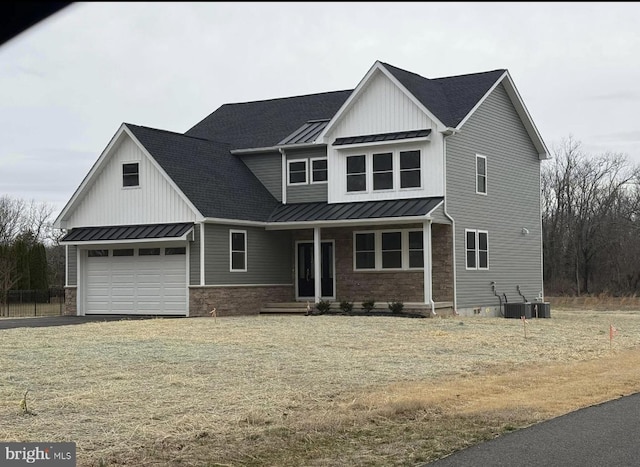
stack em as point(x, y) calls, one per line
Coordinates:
point(158, 167)
point(59, 223)
point(521, 109)
point(222, 220)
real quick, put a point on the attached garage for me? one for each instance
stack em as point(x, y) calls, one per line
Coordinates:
point(141, 280)
point(137, 270)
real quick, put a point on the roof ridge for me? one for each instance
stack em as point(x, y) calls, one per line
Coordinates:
point(176, 133)
point(286, 97)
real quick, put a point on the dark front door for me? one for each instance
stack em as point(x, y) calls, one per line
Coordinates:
point(305, 273)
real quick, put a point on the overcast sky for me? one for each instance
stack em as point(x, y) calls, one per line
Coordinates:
point(68, 83)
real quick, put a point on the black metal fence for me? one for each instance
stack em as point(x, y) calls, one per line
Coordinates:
point(48, 302)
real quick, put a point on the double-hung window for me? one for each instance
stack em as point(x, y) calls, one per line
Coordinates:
point(477, 249)
point(319, 170)
point(238, 250)
point(410, 169)
point(297, 172)
point(365, 250)
point(356, 173)
point(130, 175)
point(481, 174)
point(383, 171)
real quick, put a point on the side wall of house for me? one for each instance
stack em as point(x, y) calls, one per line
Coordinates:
point(268, 169)
point(511, 204)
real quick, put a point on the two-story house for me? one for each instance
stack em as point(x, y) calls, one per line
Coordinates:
point(425, 191)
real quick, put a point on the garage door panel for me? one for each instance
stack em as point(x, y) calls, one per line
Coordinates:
point(136, 285)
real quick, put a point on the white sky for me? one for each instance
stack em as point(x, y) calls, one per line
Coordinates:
point(68, 83)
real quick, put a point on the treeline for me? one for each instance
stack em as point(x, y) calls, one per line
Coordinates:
point(590, 223)
point(30, 258)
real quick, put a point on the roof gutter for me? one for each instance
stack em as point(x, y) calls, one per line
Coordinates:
point(249, 151)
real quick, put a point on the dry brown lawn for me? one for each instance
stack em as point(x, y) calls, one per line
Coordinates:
point(305, 390)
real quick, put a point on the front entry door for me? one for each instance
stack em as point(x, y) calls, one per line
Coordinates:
point(305, 270)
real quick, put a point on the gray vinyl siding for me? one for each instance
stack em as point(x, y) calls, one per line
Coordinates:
point(72, 265)
point(310, 192)
point(512, 203)
point(268, 169)
point(268, 256)
point(194, 257)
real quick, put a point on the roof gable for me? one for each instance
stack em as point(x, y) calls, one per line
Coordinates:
point(219, 184)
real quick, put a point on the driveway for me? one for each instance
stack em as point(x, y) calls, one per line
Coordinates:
point(604, 435)
point(43, 321)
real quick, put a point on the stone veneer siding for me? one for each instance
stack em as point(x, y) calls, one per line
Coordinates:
point(384, 286)
point(70, 301)
point(236, 300)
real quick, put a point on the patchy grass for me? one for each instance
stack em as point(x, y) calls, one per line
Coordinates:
point(296, 390)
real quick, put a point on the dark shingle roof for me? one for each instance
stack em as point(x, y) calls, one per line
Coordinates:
point(216, 182)
point(451, 98)
point(127, 232)
point(265, 123)
point(302, 212)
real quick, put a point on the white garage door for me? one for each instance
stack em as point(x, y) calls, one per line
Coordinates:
point(143, 281)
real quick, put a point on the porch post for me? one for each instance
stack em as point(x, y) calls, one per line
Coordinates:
point(426, 251)
point(317, 271)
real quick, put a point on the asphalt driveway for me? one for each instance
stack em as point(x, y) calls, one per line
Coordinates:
point(43, 321)
point(604, 435)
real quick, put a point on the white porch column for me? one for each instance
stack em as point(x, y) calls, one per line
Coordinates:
point(317, 271)
point(426, 251)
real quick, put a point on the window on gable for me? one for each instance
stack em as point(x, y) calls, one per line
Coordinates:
point(481, 174)
point(238, 250)
point(297, 172)
point(409, 169)
point(477, 249)
point(383, 171)
point(318, 170)
point(130, 175)
point(356, 173)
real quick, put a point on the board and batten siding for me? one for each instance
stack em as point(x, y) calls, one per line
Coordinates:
point(268, 169)
point(512, 203)
point(268, 256)
point(72, 265)
point(309, 192)
point(107, 203)
point(382, 107)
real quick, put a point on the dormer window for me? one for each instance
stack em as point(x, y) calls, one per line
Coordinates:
point(130, 175)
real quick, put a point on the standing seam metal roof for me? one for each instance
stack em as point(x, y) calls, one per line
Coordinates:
point(127, 232)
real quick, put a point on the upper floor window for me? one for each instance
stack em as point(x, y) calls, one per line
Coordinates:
point(481, 174)
point(238, 250)
point(477, 249)
point(383, 171)
point(380, 171)
point(356, 173)
point(130, 174)
point(319, 170)
point(297, 172)
point(410, 169)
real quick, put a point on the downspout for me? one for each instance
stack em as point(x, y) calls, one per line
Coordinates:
point(284, 175)
point(448, 132)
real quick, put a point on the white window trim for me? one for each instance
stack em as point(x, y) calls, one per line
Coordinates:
point(395, 175)
point(476, 249)
point(131, 187)
point(478, 156)
point(368, 165)
point(231, 250)
point(306, 172)
point(367, 174)
point(378, 250)
point(311, 161)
